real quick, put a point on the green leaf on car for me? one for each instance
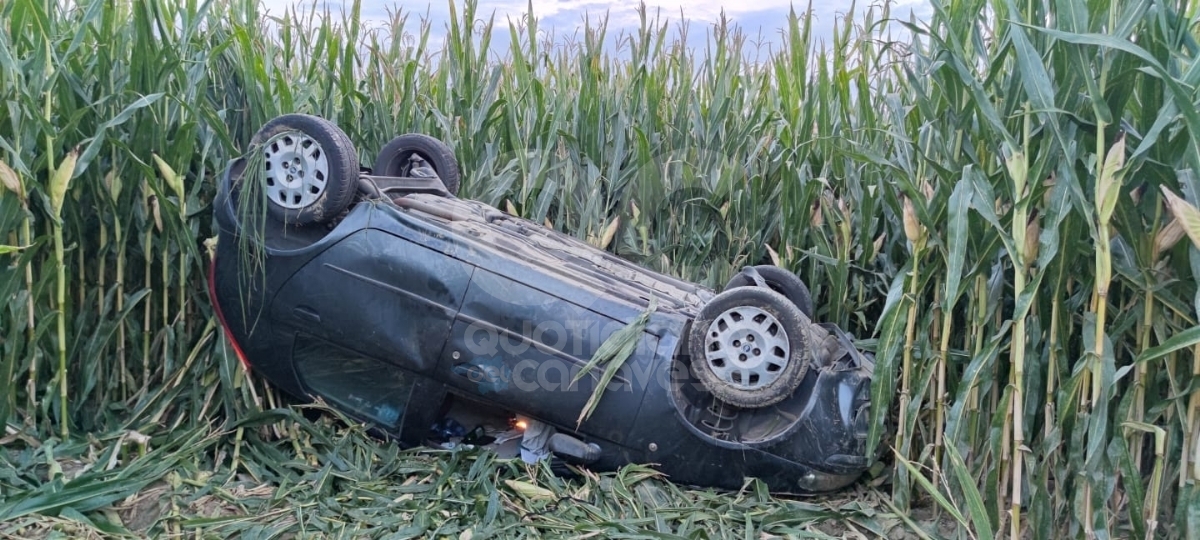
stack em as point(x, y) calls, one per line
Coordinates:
point(612, 354)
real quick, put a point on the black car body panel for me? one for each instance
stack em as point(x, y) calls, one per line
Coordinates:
point(402, 305)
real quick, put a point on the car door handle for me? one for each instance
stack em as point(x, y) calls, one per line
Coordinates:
point(471, 372)
point(307, 313)
point(478, 374)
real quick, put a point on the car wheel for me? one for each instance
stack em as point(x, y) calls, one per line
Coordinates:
point(310, 169)
point(396, 159)
point(749, 347)
point(781, 281)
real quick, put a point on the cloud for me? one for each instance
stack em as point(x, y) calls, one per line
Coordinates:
point(619, 11)
point(565, 17)
point(624, 14)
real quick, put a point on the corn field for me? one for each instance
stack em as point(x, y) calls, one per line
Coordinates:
point(1000, 202)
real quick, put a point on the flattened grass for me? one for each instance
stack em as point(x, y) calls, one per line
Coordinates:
point(329, 478)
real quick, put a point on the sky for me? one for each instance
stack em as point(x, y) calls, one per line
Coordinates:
point(755, 17)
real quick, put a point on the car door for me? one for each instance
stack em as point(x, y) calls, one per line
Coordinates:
point(380, 295)
point(520, 347)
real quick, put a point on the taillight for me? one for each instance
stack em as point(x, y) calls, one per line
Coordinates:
point(212, 296)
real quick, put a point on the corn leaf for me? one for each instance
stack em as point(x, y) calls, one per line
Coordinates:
point(612, 354)
point(975, 508)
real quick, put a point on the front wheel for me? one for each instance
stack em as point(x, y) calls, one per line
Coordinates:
point(749, 347)
point(309, 169)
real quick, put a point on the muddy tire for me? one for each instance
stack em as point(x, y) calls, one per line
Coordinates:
point(393, 160)
point(782, 282)
point(749, 347)
point(310, 169)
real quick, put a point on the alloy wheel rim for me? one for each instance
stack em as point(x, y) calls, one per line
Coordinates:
point(746, 348)
point(296, 170)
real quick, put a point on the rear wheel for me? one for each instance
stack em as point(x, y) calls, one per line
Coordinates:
point(412, 154)
point(749, 347)
point(309, 168)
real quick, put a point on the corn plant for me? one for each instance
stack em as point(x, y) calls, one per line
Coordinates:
point(993, 200)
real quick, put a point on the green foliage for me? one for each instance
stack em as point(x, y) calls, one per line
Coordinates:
point(1035, 329)
point(612, 354)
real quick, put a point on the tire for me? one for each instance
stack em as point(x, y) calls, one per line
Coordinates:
point(766, 331)
point(782, 282)
point(310, 168)
point(393, 159)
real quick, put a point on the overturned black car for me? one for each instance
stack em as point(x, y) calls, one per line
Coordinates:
point(446, 322)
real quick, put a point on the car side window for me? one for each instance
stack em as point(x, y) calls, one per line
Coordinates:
point(368, 388)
